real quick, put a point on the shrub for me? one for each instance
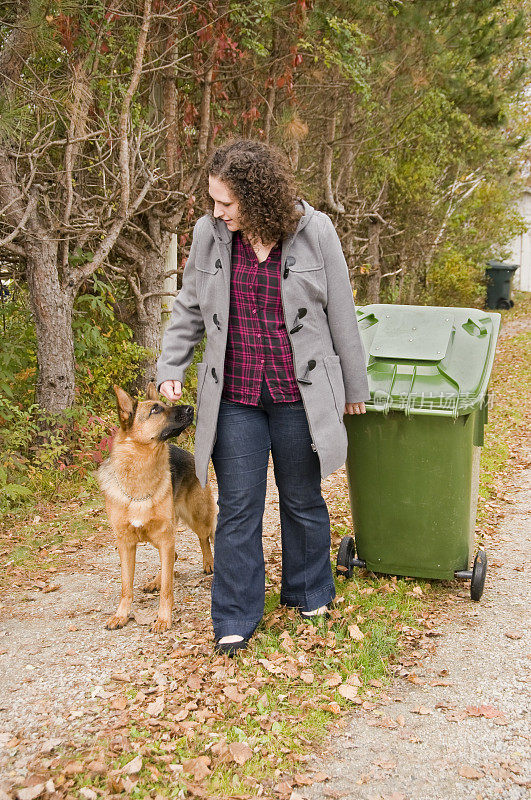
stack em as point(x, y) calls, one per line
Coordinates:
point(454, 280)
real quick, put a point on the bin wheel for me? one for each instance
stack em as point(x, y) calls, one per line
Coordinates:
point(511, 303)
point(345, 557)
point(479, 573)
point(503, 303)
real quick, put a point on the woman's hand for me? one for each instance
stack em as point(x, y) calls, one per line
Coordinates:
point(350, 408)
point(173, 390)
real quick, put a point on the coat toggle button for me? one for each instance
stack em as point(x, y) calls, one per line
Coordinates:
point(296, 324)
point(289, 262)
point(306, 377)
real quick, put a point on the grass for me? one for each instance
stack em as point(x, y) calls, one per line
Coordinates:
point(509, 414)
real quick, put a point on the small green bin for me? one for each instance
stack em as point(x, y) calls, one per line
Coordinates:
point(413, 458)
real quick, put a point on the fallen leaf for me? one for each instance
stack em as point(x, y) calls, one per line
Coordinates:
point(31, 792)
point(194, 682)
point(421, 710)
point(50, 744)
point(156, 708)
point(97, 766)
point(269, 666)
point(88, 793)
point(319, 777)
point(120, 703)
point(198, 767)
point(133, 767)
point(334, 679)
point(489, 712)
point(123, 677)
point(303, 780)
point(283, 789)
point(333, 707)
point(513, 634)
point(240, 752)
point(470, 772)
point(348, 692)
point(355, 633)
point(144, 617)
point(73, 768)
point(232, 693)
point(307, 676)
point(290, 670)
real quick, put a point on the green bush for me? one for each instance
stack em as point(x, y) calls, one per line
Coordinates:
point(104, 349)
point(454, 280)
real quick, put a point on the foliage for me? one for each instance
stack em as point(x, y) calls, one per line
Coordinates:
point(455, 280)
point(104, 349)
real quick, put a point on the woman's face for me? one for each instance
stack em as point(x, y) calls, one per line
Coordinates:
point(226, 207)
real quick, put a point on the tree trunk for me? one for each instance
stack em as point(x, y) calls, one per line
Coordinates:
point(52, 307)
point(373, 283)
point(147, 324)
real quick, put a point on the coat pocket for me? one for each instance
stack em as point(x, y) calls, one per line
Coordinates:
point(335, 377)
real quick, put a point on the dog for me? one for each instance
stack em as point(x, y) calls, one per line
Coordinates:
point(148, 486)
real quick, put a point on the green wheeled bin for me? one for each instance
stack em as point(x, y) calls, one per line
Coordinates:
point(413, 458)
point(500, 284)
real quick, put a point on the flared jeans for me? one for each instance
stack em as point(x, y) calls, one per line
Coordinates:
point(246, 435)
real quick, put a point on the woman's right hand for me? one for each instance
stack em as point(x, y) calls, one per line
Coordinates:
point(173, 390)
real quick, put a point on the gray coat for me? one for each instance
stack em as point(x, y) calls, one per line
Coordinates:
point(314, 277)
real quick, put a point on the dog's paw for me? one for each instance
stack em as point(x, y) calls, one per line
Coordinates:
point(160, 625)
point(208, 567)
point(152, 586)
point(116, 622)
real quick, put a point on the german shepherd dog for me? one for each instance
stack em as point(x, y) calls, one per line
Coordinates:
point(148, 485)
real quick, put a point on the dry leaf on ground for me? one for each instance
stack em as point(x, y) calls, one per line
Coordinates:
point(355, 633)
point(470, 772)
point(133, 767)
point(349, 692)
point(240, 751)
point(198, 767)
point(30, 792)
point(156, 707)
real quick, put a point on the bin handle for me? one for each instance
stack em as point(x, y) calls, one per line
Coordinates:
point(432, 412)
point(474, 328)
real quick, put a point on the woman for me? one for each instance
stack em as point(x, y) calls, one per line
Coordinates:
point(267, 280)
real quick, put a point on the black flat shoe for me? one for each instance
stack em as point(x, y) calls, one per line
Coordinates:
point(318, 613)
point(230, 648)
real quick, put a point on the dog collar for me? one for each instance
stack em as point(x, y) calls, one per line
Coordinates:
point(134, 499)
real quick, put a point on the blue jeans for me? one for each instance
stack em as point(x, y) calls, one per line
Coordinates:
point(245, 436)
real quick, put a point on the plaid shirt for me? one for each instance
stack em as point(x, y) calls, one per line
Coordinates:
point(257, 339)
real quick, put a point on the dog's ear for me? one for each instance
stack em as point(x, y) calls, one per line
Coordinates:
point(151, 392)
point(126, 407)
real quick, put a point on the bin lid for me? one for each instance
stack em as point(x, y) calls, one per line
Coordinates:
point(493, 264)
point(428, 359)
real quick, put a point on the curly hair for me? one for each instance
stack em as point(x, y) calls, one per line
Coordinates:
point(260, 178)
